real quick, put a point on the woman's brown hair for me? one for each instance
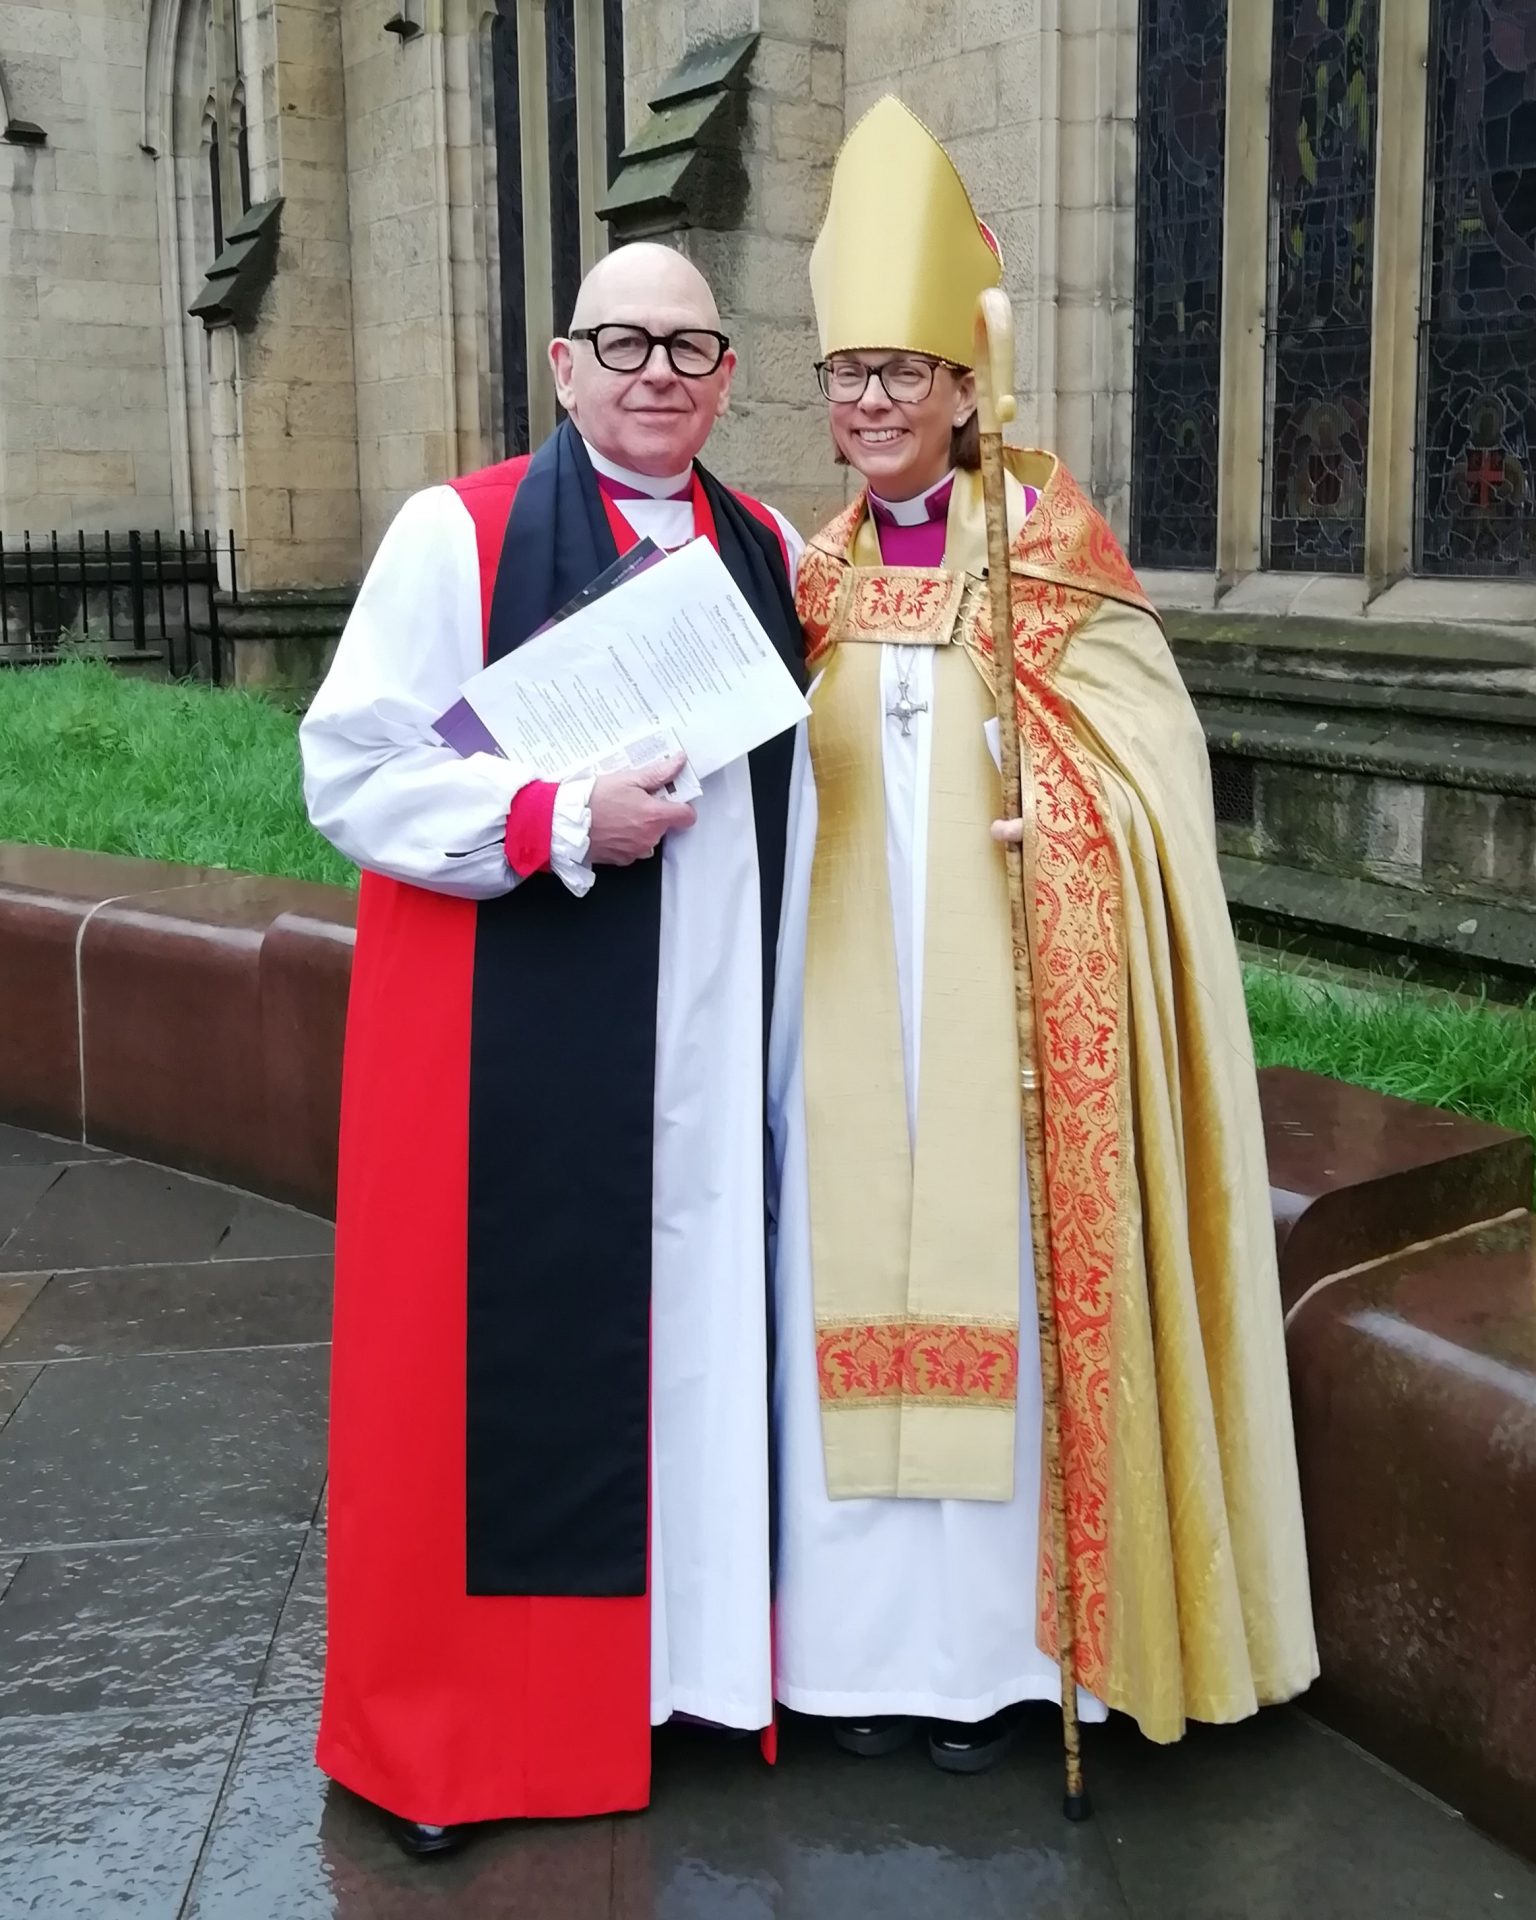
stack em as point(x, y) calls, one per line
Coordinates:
point(965, 445)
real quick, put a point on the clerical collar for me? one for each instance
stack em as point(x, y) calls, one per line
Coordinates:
point(625, 483)
point(923, 507)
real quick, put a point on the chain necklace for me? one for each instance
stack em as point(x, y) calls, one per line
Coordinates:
point(906, 708)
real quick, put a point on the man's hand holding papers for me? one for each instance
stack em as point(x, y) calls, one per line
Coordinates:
point(631, 815)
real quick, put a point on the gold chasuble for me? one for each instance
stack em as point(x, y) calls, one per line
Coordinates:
point(1184, 1526)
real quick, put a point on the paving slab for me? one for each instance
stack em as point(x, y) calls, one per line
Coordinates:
point(295, 1667)
point(21, 1147)
point(15, 1383)
point(110, 1213)
point(263, 1227)
point(104, 1814)
point(176, 1623)
point(162, 1541)
point(288, 1843)
point(16, 1296)
point(826, 1834)
point(1278, 1817)
point(170, 1309)
point(21, 1187)
point(127, 1449)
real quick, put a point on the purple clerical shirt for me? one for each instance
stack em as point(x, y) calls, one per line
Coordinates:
point(912, 532)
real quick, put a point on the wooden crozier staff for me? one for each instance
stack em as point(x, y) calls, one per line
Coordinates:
point(994, 409)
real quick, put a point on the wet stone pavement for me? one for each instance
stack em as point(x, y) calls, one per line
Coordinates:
point(162, 1538)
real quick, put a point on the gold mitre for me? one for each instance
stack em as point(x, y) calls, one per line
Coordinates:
point(901, 256)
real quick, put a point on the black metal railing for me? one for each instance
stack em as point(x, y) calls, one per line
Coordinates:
point(147, 597)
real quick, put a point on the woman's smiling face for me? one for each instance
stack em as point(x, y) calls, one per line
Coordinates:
point(900, 445)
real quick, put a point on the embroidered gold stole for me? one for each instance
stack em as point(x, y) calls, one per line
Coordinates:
point(915, 1240)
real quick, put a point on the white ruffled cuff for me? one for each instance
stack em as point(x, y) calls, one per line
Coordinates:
point(570, 836)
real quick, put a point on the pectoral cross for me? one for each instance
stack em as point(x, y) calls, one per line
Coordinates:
point(905, 709)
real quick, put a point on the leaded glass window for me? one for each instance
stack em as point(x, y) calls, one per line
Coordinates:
point(1477, 401)
point(1322, 194)
point(1180, 178)
point(564, 158)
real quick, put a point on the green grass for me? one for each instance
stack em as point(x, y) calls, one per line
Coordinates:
point(91, 758)
point(1473, 1059)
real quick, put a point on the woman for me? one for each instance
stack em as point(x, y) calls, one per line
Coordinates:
point(907, 1388)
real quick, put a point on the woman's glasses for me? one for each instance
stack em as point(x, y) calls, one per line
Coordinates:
point(909, 378)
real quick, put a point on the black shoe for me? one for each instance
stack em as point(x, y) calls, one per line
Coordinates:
point(879, 1733)
point(423, 1842)
point(959, 1748)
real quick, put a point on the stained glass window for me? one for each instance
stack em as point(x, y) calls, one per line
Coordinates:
point(613, 75)
point(1180, 178)
point(564, 164)
point(509, 227)
point(1322, 194)
point(1477, 430)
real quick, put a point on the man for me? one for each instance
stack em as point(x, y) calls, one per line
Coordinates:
point(908, 1394)
point(548, 1493)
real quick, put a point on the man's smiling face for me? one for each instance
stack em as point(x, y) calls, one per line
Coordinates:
point(654, 420)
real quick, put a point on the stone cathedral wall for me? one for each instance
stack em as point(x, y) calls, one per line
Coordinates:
point(85, 433)
point(373, 366)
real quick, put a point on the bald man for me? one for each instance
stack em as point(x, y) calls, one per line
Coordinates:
point(549, 1458)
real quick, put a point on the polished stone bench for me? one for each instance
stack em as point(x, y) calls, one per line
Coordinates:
point(195, 1017)
point(1355, 1176)
point(1408, 1278)
point(1414, 1385)
point(190, 1015)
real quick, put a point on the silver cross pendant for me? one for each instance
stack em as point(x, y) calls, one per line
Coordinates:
point(906, 710)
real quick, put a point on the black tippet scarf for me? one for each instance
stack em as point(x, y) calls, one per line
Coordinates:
point(561, 1098)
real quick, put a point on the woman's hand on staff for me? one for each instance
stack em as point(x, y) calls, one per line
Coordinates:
point(1008, 833)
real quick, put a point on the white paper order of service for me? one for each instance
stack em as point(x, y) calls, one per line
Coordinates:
point(675, 649)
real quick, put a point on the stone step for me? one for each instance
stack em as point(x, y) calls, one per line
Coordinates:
point(1443, 940)
point(1381, 744)
point(1342, 689)
point(285, 616)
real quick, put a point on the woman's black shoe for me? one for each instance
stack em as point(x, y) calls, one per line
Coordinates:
point(423, 1842)
point(877, 1734)
point(959, 1748)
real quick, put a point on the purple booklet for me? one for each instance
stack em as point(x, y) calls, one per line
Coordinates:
point(463, 728)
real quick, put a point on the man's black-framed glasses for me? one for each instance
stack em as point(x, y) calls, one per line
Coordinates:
point(907, 376)
point(692, 352)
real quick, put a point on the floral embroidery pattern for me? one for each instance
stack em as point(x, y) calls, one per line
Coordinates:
point(818, 589)
point(1066, 540)
point(1079, 989)
point(936, 1362)
point(915, 604)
